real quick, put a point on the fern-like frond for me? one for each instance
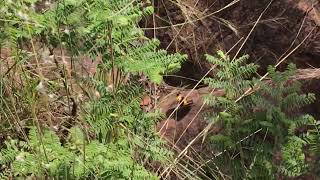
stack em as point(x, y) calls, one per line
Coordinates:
point(293, 163)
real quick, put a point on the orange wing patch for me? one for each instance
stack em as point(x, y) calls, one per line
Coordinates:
point(184, 100)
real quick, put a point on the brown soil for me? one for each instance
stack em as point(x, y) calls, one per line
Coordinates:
point(282, 27)
point(187, 122)
point(277, 30)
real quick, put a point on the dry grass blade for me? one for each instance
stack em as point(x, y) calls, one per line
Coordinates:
point(198, 19)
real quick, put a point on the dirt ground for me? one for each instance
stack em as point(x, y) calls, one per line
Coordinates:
point(196, 27)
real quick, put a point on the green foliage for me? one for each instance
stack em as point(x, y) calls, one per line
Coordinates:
point(232, 75)
point(117, 114)
point(313, 140)
point(150, 61)
point(293, 163)
point(115, 110)
point(46, 157)
point(260, 123)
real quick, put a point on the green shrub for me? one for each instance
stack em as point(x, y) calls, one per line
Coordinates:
point(259, 124)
